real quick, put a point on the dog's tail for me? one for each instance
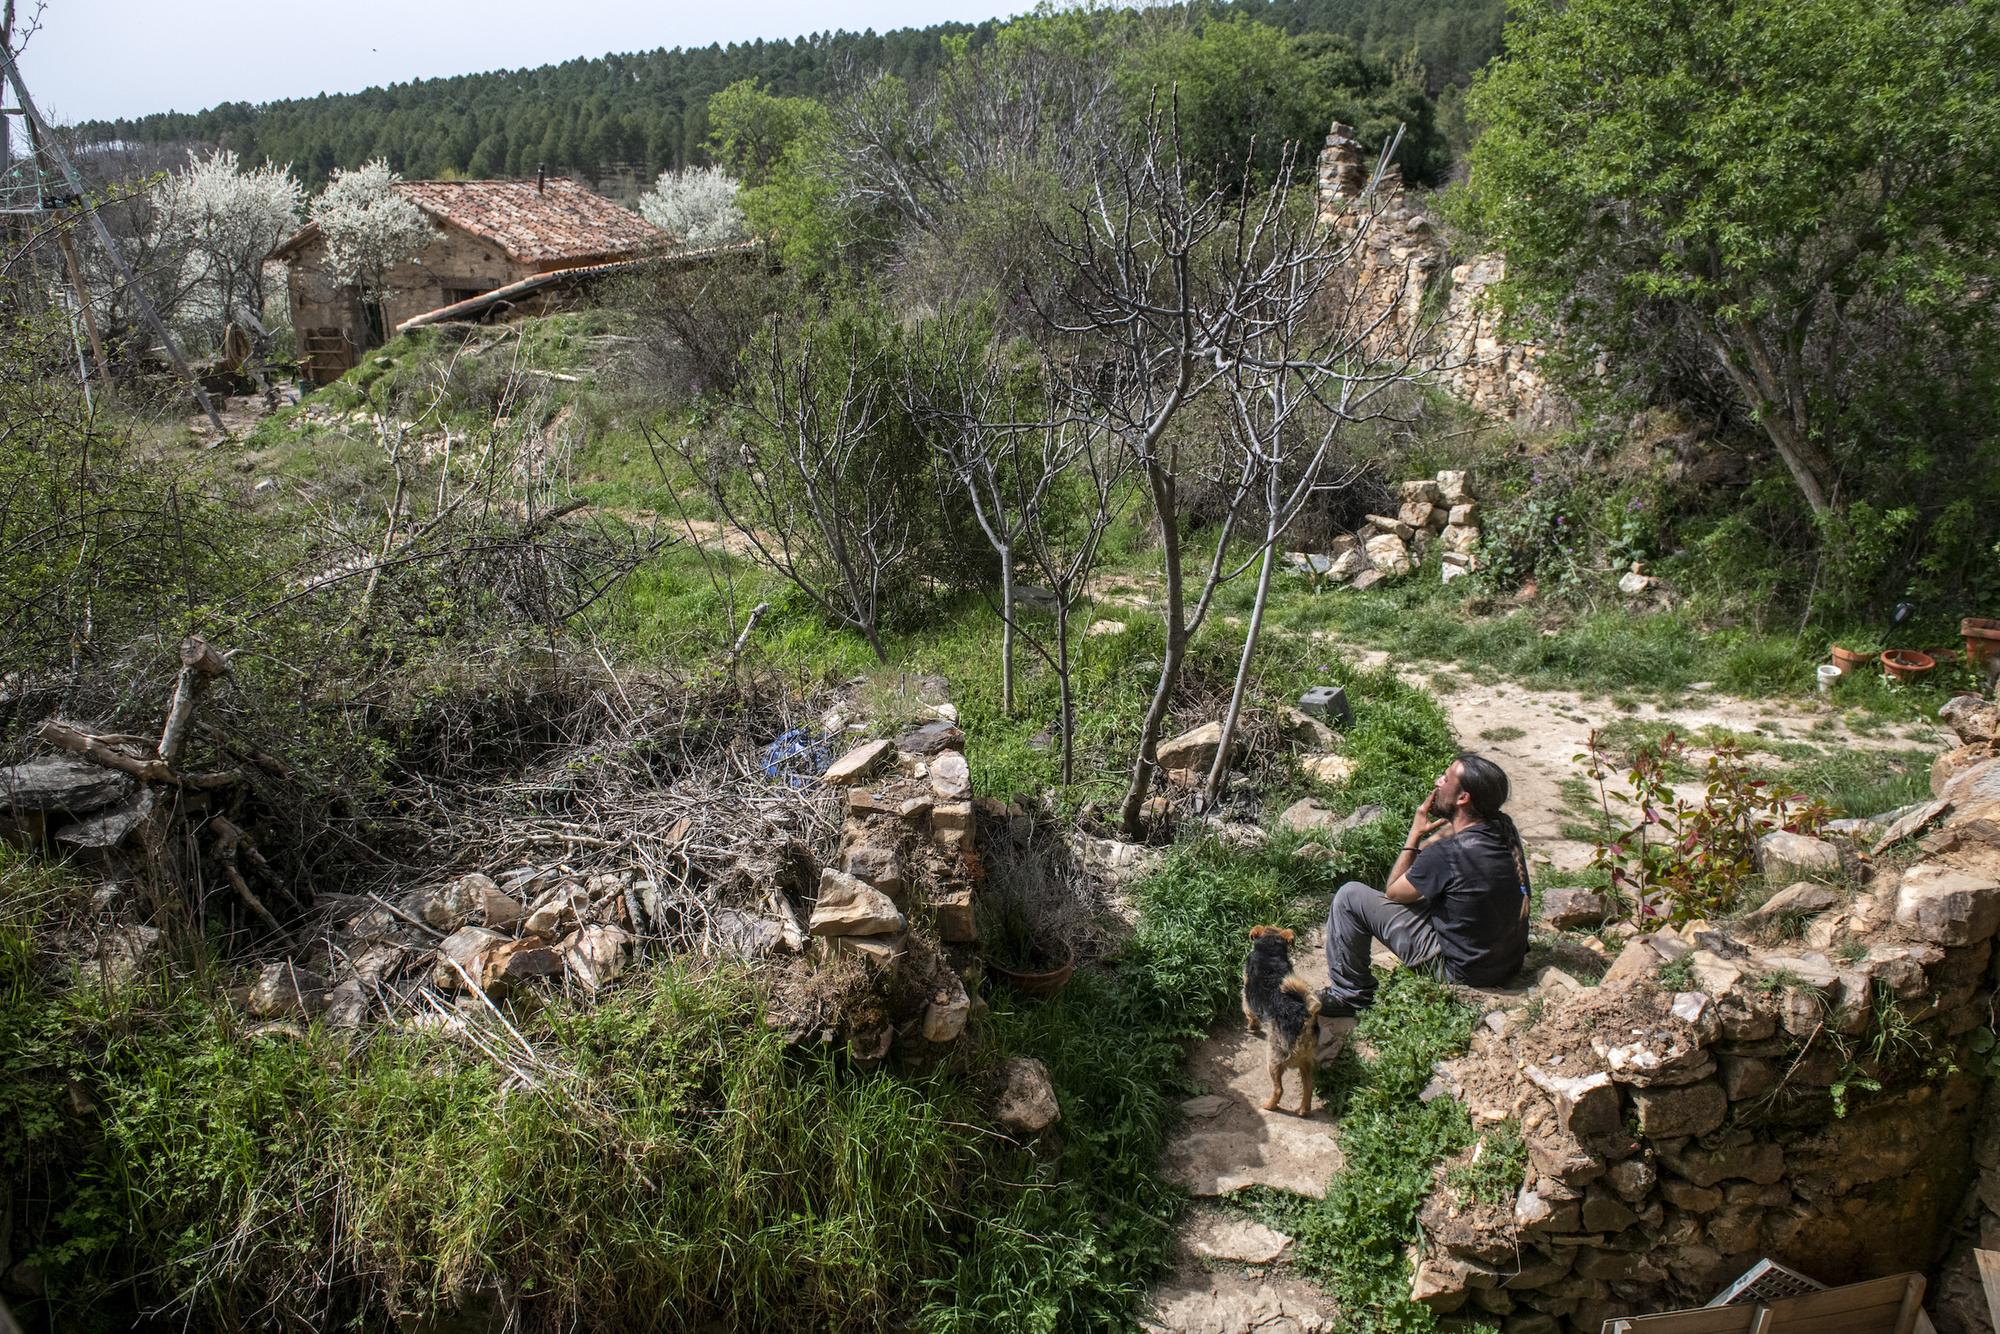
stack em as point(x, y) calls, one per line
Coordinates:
point(1303, 989)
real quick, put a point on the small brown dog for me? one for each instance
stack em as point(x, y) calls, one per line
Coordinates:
point(1278, 999)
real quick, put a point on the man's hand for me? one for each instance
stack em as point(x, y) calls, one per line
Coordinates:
point(1422, 826)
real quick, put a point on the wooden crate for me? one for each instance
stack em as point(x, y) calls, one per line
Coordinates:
point(1881, 1306)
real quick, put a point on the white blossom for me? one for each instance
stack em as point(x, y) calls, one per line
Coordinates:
point(696, 207)
point(369, 227)
point(223, 222)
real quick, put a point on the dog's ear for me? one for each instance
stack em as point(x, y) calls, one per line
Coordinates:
point(1257, 933)
point(1287, 934)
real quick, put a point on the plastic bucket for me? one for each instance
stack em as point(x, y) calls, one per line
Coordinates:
point(1828, 674)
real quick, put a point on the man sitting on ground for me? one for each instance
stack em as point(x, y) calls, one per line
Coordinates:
point(1457, 909)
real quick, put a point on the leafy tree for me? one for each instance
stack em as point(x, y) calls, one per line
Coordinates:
point(1750, 189)
point(369, 227)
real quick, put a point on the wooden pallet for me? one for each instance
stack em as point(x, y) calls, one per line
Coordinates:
point(1881, 1306)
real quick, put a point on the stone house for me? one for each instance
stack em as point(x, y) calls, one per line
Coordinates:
point(490, 235)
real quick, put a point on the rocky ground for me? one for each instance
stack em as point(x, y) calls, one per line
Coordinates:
point(1232, 1274)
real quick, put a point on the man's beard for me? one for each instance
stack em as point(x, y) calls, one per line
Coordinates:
point(1431, 806)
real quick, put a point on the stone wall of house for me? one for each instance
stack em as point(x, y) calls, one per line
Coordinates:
point(1807, 1084)
point(1404, 261)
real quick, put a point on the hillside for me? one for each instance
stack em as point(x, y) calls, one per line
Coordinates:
point(636, 114)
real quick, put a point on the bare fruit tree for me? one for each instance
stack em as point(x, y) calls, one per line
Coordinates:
point(1212, 337)
point(810, 490)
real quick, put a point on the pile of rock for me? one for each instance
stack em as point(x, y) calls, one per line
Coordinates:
point(1724, 1095)
point(1438, 511)
point(904, 882)
point(472, 939)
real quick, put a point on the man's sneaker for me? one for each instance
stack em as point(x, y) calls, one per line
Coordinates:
point(1332, 1007)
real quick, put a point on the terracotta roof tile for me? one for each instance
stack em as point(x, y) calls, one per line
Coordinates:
point(561, 223)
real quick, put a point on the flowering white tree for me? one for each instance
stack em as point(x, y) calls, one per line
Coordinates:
point(696, 207)
point(222, 222)
point(368, 226)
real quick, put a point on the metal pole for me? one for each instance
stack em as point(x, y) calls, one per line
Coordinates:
point(45, 143)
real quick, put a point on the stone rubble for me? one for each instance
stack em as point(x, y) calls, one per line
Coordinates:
point(1435, 513)
point(1812, 1102)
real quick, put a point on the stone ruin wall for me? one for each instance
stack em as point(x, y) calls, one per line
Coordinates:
point(1403, 257)
point(1804, 1085)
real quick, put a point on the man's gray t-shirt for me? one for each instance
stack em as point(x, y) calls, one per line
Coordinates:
point(1472, 898)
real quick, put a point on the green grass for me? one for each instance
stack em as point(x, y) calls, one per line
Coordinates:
point(1355, 1239)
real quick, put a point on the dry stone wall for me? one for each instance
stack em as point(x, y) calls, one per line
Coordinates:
point(1808, 1084)
point(1404, 259)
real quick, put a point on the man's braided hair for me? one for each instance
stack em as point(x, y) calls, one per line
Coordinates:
point(1486, 784)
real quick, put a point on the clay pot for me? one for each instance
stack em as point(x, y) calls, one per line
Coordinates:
point(1041, 985)
point(1906, 664)
point(1849, 661)
point(1982, 640)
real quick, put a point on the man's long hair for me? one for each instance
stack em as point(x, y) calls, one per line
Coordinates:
point(1486, 784)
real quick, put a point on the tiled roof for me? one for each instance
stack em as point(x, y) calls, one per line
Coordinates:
point(561, 221)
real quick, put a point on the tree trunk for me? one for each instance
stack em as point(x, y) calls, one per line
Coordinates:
point(1007, 631)
point(1066, 724)
point(1218, 771)
point(1143, 762)
point(1784, 422)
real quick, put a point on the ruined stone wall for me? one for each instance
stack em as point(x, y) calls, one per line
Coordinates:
point(1806, 1085)
point(1404, 261)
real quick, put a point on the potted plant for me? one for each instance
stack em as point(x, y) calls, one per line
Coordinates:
point(1855, 654)
point(1906, 664)
point(1032, 911)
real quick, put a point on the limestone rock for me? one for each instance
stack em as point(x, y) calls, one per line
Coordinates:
point(1794, 856)
point(1685, 1109)
point(1453, 488)
point(950, 777)
point(1388, 554)
point(1760, 1161)
point(1586, 1105)
point(1348, 564)
point(1379, 525)
point(596, 955)
point(1027, 1104)
point(1332, 770)
point(469, 948)
point(946, 1015)
point(851, 907)
point(1232, 1239)
point(857, 765)
point(1461, 539)
point(1975, 784)
point(1910, 820)
point(1948, 906)
point(878, 861)
point(520, 961)
point(1300, 726)
point(1450, 568)
point(1568, 908)
point(1463, 516)
point(1632, 1178)
point(929, 740)
point(957, 921)
point(285, 991)
point(1194, 749)
point(1973, 719)
point(347, 1005)
point(1367, 579)
point(1416, 514)
point(471, 899)
point(1798, 899)
point(1952, 763)
point(1421, 490)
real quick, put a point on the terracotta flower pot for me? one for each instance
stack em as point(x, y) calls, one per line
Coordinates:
point(1849, 660)
point(1982, 640)
point(1043, 984)
point(1906, 664)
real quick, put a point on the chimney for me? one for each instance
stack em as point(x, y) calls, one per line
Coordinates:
point(541, 177)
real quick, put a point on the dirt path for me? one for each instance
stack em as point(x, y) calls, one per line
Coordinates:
point(1232, 1275)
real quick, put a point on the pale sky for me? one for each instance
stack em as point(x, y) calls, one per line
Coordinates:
point(100, 59)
